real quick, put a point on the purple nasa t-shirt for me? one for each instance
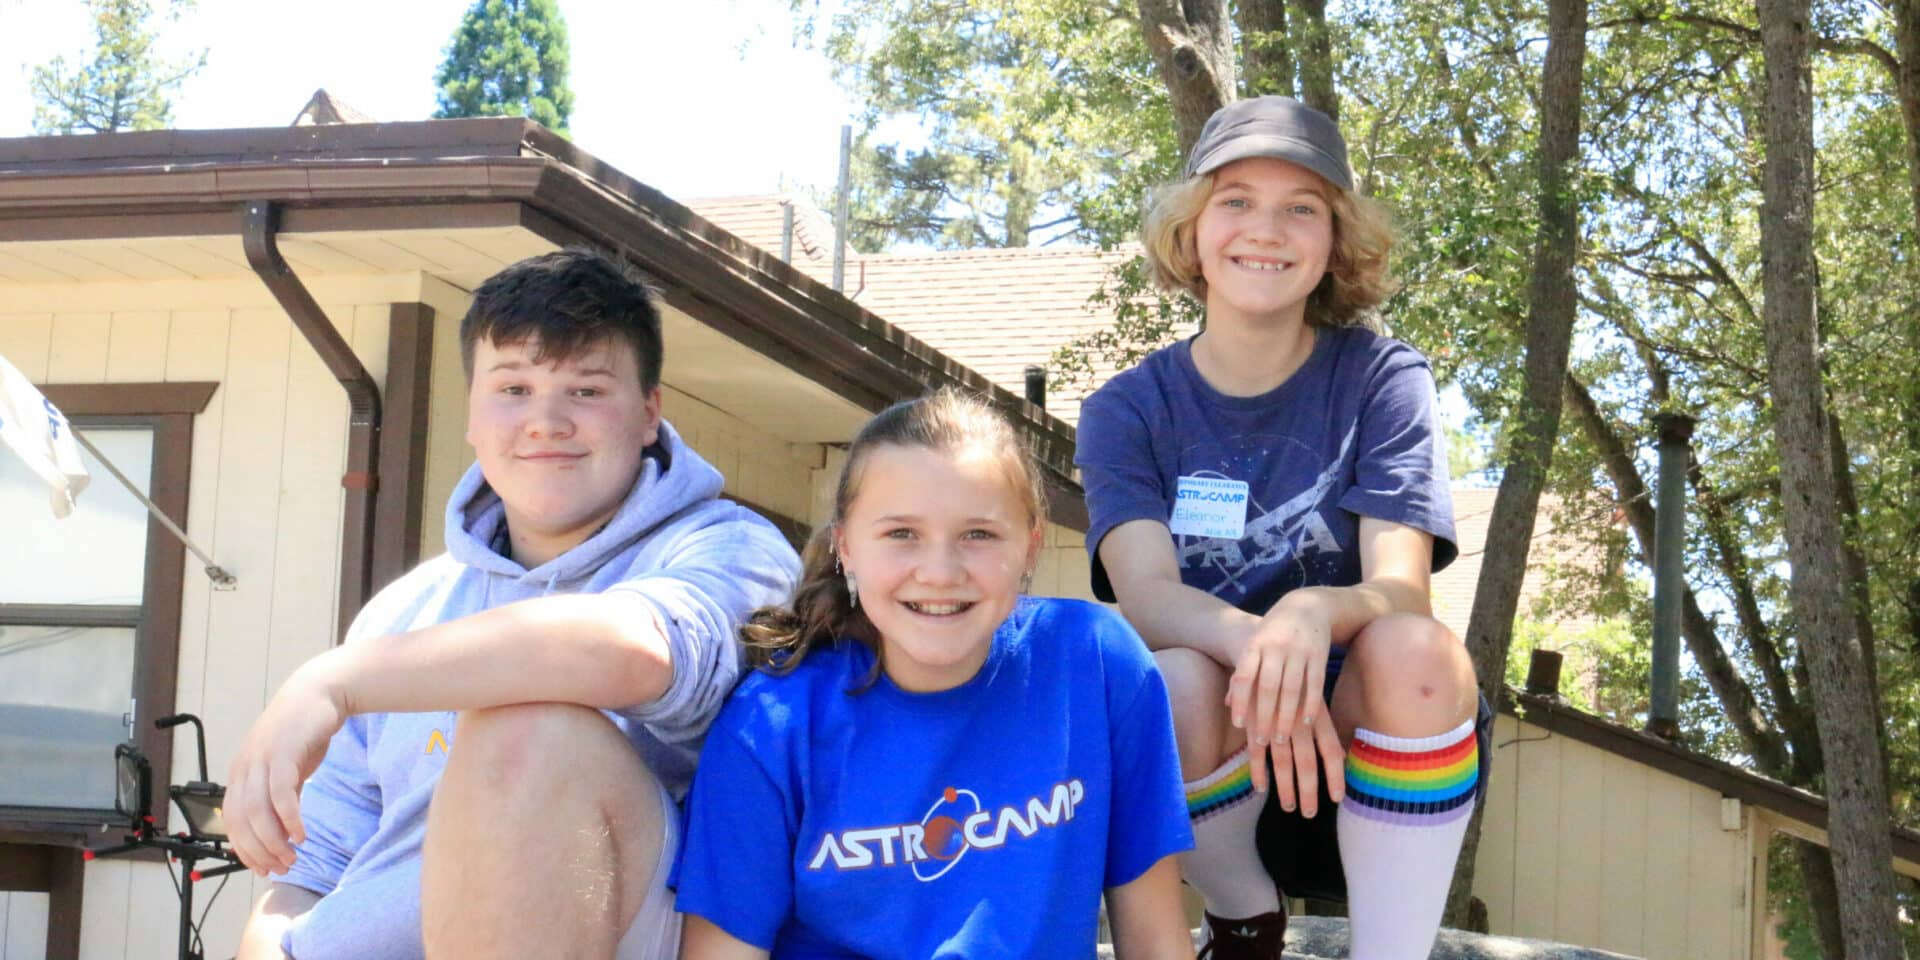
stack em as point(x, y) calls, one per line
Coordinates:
point(1352, 433)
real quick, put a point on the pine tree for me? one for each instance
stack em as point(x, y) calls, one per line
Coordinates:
point(122, 84)
point(508, 58)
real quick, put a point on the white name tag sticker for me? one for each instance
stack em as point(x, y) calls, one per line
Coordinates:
point(1210, 507)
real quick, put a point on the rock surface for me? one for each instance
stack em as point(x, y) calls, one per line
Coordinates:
point(1325, 938)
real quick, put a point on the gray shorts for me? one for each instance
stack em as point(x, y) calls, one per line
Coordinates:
point(655, 931)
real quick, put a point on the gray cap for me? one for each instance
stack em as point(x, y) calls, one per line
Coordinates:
point(1279, 127)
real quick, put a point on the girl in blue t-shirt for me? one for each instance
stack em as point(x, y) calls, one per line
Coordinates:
point(1267, 501)
point(925, 763)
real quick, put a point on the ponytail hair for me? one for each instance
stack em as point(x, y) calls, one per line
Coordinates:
point(822, 612)
point(778, 638)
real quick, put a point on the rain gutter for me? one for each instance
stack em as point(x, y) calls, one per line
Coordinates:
point(260, 224)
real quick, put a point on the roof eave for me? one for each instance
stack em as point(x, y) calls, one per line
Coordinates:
point(361, 176)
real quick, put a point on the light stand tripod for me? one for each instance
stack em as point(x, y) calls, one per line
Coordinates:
point(199, 803)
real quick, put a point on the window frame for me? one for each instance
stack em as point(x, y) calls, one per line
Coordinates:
point(168, 409)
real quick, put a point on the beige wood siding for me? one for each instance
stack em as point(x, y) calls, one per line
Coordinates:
point(1064, 569)
point(760, 468)
point(265, 501)
point(1587, 847)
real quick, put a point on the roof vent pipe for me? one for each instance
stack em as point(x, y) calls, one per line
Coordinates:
point(1037, 385)
point(840, 198)
point(1669, 575)
point(786, 231)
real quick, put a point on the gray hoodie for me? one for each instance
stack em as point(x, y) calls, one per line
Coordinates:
point(673, 551)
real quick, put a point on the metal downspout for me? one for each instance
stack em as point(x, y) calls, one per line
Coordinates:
point(260, 223)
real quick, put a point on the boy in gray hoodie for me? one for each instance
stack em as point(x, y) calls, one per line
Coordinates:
point(492, 761)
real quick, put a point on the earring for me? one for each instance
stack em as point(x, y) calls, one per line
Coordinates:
point(1026, 581)
point(853, 593)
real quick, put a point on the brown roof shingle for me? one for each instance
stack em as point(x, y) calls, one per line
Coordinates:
point(996, 311)
point(1453, 587)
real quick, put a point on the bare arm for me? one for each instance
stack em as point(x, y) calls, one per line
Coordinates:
point(272, 915)
point(701, 939)
point(1279, 659)
point(1141, 565)
point(598, 650)
point(1396, 563)
point(1147, 918)
point(1140, 561)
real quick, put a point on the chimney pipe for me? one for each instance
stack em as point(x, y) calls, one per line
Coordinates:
point(1669, 558)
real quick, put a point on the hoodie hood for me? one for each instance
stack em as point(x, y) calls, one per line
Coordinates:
point(672, 478)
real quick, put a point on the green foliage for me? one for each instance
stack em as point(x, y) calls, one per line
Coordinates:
point(121, 84)
point(1466, 456)
point(1023, 115)
point(1794, 915)
point(508, 58)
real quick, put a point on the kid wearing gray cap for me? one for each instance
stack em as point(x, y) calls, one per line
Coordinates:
point(1267, 500)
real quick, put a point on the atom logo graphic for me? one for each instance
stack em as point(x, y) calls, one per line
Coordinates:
point(942, 836)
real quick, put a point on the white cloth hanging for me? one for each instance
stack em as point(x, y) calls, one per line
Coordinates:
point(32, 427)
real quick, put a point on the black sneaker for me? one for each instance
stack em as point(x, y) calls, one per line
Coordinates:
point(1254, 938)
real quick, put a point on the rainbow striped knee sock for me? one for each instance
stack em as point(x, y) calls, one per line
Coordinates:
point(1224, 866)
point(1406, 810)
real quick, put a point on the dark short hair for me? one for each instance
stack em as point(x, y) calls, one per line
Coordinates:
point(568, 301)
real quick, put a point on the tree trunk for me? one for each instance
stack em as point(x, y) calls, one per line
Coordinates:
point(1856, 790)
point(1266, 49)
point(1823, 898)
point(1859, 587)
point(1316, 61)
point(1550, 315)
point(1906, 31)
point(1552, 299)
point(1192, 44)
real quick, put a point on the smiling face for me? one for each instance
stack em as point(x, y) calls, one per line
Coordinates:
point(938, 544)
point(561, 440)
point(1263, 240)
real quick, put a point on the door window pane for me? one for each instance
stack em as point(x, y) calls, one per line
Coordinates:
point(63, 695)
point(95, 555)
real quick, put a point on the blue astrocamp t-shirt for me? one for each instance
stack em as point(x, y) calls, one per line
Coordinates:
point(1264, 494)
point(981, 821)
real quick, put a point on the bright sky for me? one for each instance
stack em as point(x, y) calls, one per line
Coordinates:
point(697, 98)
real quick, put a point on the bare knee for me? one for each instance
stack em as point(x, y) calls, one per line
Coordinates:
point(514, 742)
point(1197, 690)
point(1414, 676)
point(541, 753)
point(573, 819)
